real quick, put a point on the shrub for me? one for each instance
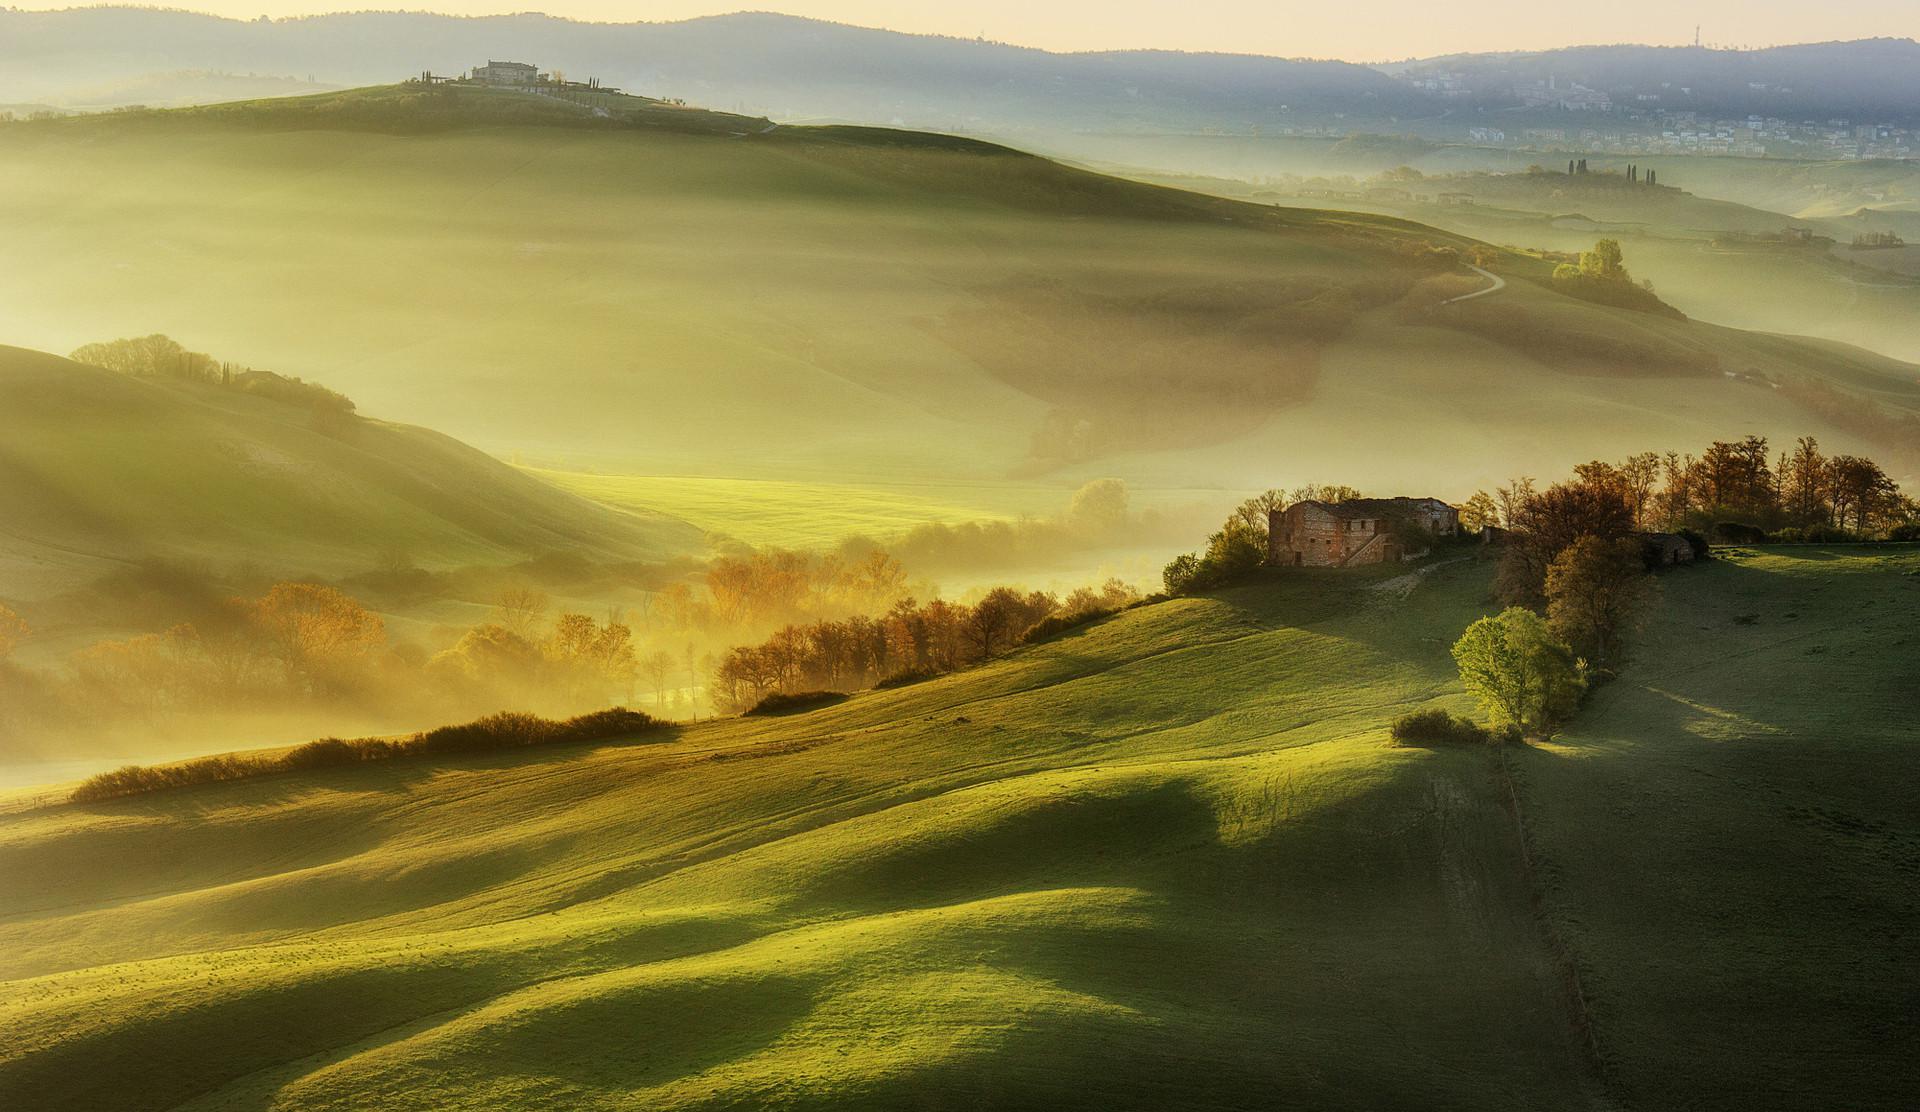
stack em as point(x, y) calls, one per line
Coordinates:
point(1057, 624)
point(1233, 552)
point(1814, 534)
point(1701, 547)
point(498, 731)
point(1739, 532)
point(602, 725)
point(331, 752)
point(134, 779)
point(1908, 532)
point(506, 730)
point(1434, 726)
point(1180, 575)
point(783, 703)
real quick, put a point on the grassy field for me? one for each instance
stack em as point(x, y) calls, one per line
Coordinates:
point(799, 514)
point(99, 470)
point(1167, 860)
point(817, 305)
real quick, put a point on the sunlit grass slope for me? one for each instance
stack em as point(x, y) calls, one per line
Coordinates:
point(1165, 861)
point(818, 304)
point(783, 512)
point(98, 468)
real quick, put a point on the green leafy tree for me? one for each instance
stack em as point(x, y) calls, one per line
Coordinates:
point(1521, 674)
point(1606, 262)
point(1595, 590)
point(1178, 576)
point(1479, 512)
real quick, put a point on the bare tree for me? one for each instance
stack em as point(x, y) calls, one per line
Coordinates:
point(520, 609)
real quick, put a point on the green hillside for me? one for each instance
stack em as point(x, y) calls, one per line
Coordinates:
point(1718, 259)
point(99, 469)
point(662, 291)
point(1169, 860)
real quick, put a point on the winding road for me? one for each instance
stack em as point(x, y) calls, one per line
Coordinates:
point(1499, 284)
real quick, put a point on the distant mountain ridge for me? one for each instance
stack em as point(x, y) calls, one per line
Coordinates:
point(1864, 81)
point(769, 64)
point(797, 69)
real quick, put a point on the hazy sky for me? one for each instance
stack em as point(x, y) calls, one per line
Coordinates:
point(1370, 31)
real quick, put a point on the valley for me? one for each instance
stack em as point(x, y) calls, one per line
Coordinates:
point(868, 570)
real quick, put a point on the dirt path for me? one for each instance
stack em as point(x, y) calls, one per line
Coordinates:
point(1400, 586)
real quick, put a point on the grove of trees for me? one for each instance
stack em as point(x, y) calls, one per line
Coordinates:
point(910, 640)
point(160, 356)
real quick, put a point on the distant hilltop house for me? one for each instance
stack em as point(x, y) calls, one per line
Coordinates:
point(1358, 531)
point(508, 73)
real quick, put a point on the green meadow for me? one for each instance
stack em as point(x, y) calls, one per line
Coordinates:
point(100, 471)
point(780, 512)
point(1170, 858)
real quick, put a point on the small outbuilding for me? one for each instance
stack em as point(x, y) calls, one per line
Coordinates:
point(1665, 550)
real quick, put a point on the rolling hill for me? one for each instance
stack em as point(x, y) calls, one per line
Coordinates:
point(98, 470)
point(792, 67)
point(1167, 860)
point(1716, 259)
point(666, 291)
point(757, 61)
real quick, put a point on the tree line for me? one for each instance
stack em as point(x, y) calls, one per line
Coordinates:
point(1735, 490)
point(1574, 570)
point(910, 641)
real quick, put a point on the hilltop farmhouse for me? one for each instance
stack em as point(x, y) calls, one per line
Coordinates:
point(508, 73)
point(1319, 534)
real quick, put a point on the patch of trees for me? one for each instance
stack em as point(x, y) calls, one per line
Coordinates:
point(160, 356)
point(1745, 483)
point(766, 587)
point(1574, 571)
point(490, 734)
point(910, 641)
point(1797, 494)
point(1601, 277)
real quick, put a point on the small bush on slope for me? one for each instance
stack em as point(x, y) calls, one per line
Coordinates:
point(1434, 726)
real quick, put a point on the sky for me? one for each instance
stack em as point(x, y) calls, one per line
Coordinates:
point(1378, 30)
